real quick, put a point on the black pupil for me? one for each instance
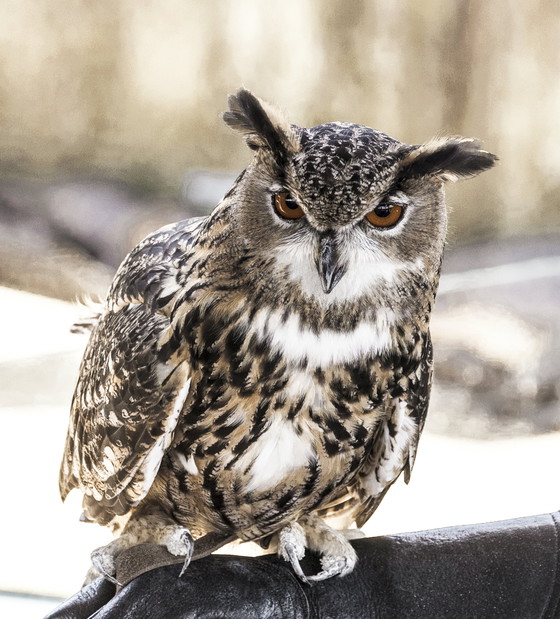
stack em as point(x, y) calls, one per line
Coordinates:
point(291, 203)
point(383, 210)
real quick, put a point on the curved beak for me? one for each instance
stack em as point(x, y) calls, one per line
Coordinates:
point(330, 266)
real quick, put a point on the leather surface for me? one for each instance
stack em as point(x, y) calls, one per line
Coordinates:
point(506, 570)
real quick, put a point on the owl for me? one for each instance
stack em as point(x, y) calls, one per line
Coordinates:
point(257, 370)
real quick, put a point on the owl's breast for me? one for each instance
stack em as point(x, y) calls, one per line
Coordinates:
point(280, 452)
point(316, 422)
point(279, 415)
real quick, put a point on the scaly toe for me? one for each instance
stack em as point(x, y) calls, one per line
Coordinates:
point(334, 566)
point(291, 547)
point(103, 561)
point(179, 542)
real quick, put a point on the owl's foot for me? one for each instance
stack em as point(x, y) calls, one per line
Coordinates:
point(338, 557)
point(180, 543)
point(103, 560)
point(291, 547)
point(175, 538)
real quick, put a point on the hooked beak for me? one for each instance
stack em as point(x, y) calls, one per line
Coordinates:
point(329, 263)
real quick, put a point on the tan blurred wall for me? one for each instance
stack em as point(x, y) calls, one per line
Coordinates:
point(135, 88)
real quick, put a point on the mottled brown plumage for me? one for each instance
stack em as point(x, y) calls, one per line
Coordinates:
point(251, 372)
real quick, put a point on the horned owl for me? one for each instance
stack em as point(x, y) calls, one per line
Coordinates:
point(258, 369)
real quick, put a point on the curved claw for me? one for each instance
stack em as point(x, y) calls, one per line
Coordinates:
point(185, 566)
point(293, 558)
point(291, 547)
point(338, 557)
point(99, 560)
point(181, 544)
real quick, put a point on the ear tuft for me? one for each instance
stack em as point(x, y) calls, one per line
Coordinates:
point(450, 158)
point(262, 125)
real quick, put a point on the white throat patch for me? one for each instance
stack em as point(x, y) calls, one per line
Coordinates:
point(328, 347)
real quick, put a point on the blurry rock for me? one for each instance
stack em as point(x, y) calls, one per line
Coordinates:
point(35, 257)
point(496, 332)
point(106, 218)
point(66, 239)
point(487, 374)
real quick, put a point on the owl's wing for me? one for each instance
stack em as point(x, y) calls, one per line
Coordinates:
point(131, 386)
point(395, 443)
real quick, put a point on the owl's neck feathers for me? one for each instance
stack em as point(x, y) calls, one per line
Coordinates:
point(278, 301)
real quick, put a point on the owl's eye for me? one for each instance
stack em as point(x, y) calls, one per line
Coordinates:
point(286, 207)
point(385, 215)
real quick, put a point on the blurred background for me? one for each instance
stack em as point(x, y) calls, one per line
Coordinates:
point(110, 126)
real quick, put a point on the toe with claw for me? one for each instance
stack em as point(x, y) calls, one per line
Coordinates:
point(338, 557)
point(180, 543)
point(291, 547)
point(103, 560)
point(333, 565)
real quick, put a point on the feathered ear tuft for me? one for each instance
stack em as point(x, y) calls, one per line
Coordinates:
point(450, 158)
point(262, 125)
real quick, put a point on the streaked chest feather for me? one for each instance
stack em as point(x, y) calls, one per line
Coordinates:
point(274, 400)
point(310, 421)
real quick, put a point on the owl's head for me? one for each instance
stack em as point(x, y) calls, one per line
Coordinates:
point(342, 201)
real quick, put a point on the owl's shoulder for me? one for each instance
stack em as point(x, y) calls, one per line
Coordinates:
point(154, 265)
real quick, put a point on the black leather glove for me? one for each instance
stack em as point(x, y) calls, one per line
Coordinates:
point(506, 570)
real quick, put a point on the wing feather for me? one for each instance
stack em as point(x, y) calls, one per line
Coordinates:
point(129, 396)
point(393, 448)
point(396, 441)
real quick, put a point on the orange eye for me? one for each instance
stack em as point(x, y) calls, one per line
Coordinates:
point(385, 215)
point(287, 207)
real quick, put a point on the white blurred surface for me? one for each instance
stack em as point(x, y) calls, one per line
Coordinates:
point(46, 549)
point(26, 607)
